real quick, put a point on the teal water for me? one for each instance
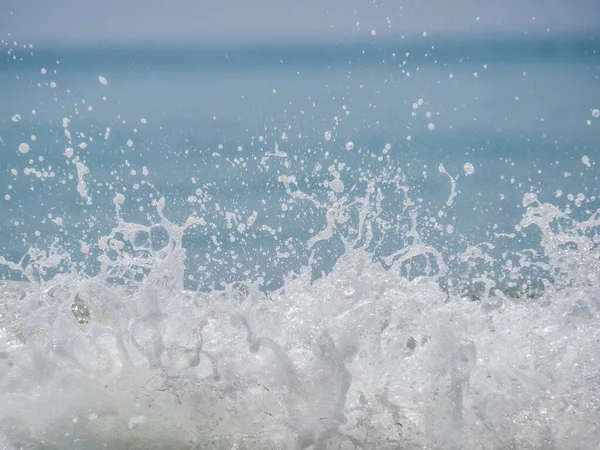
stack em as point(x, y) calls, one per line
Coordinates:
point(348, 236)
point(195, 99)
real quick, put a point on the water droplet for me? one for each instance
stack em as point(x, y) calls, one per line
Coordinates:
point(529, 198)
point(337, 186)
point(119, 199)
point(586, 161)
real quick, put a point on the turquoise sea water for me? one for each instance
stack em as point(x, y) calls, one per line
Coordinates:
point(516, 110)
point(375, 233)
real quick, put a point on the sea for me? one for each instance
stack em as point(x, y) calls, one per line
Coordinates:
point(377, 244)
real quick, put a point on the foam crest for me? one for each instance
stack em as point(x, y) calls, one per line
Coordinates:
point(363, 357)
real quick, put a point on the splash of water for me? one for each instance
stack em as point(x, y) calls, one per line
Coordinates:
point(404, 341)
point(360, 358)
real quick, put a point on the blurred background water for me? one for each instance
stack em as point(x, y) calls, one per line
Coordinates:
point(518, 110)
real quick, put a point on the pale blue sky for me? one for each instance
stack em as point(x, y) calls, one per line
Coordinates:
point(110, 21)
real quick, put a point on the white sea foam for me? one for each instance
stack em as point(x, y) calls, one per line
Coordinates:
point(360, 358)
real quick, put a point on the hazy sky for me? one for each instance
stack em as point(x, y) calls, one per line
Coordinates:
point(109, 21)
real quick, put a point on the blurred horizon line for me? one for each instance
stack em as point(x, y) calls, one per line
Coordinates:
point(432, 38)
point(284, 54)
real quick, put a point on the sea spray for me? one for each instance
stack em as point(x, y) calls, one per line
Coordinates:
point(360, 358)
point(309, 290)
